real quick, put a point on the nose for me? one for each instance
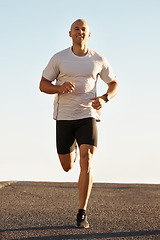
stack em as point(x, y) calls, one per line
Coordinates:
point(80, 31)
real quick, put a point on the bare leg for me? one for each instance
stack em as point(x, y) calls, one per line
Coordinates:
point(67, 160)
point(85, 178)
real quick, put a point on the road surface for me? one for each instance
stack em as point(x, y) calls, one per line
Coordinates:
point(47, 210)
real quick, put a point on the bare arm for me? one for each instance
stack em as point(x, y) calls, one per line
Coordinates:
point(112, 88)
point(47, 87)
point(99, 102)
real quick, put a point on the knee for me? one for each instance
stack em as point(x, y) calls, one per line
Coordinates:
point(85, 163)
point(86, 155)
point(66, 162)
point(66, 167)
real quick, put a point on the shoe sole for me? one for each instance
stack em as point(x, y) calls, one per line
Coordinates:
point(82, 226)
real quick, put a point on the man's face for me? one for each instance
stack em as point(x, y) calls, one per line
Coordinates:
point(79, 32)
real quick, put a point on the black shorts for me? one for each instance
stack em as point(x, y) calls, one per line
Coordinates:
point(68, 132)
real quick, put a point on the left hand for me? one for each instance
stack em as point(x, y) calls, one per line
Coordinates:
point(98, 102)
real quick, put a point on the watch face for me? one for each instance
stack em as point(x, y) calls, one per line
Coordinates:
point(107, 98)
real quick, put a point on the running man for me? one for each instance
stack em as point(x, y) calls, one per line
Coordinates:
point(76, 106)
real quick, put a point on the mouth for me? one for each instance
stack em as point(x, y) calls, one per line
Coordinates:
point(80, 37)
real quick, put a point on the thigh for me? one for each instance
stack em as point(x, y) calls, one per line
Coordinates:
point(86, 133)
point(67, 160)
point(65, 137)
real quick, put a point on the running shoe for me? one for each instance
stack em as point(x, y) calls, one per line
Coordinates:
point(82, 219)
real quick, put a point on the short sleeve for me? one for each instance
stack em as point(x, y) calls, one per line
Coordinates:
point(51, 71)
point(107, 74)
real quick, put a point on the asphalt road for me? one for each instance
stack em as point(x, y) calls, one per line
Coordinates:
point(44, 211)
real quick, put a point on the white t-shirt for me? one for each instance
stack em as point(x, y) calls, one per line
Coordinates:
point(83, 71)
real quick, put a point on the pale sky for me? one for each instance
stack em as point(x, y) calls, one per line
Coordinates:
point(127, 33)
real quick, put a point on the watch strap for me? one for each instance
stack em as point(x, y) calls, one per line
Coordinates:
point(106, 97)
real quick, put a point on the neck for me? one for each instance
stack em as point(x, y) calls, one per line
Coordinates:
point(80, 50)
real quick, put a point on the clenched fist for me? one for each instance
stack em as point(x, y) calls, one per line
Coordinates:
point(98, 102)
point(67, 87)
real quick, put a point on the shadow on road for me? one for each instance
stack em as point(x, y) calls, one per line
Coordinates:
point(83, 236)
point(39, 228)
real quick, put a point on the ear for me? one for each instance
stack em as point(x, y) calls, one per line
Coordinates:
point(70, 34)
point(89, 34)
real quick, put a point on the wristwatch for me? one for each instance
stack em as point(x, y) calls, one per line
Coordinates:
point(106, 97)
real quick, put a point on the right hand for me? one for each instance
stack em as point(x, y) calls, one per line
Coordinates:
point(67, 87)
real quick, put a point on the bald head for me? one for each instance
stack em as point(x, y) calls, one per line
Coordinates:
point(79, 33)
point(80, 21)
